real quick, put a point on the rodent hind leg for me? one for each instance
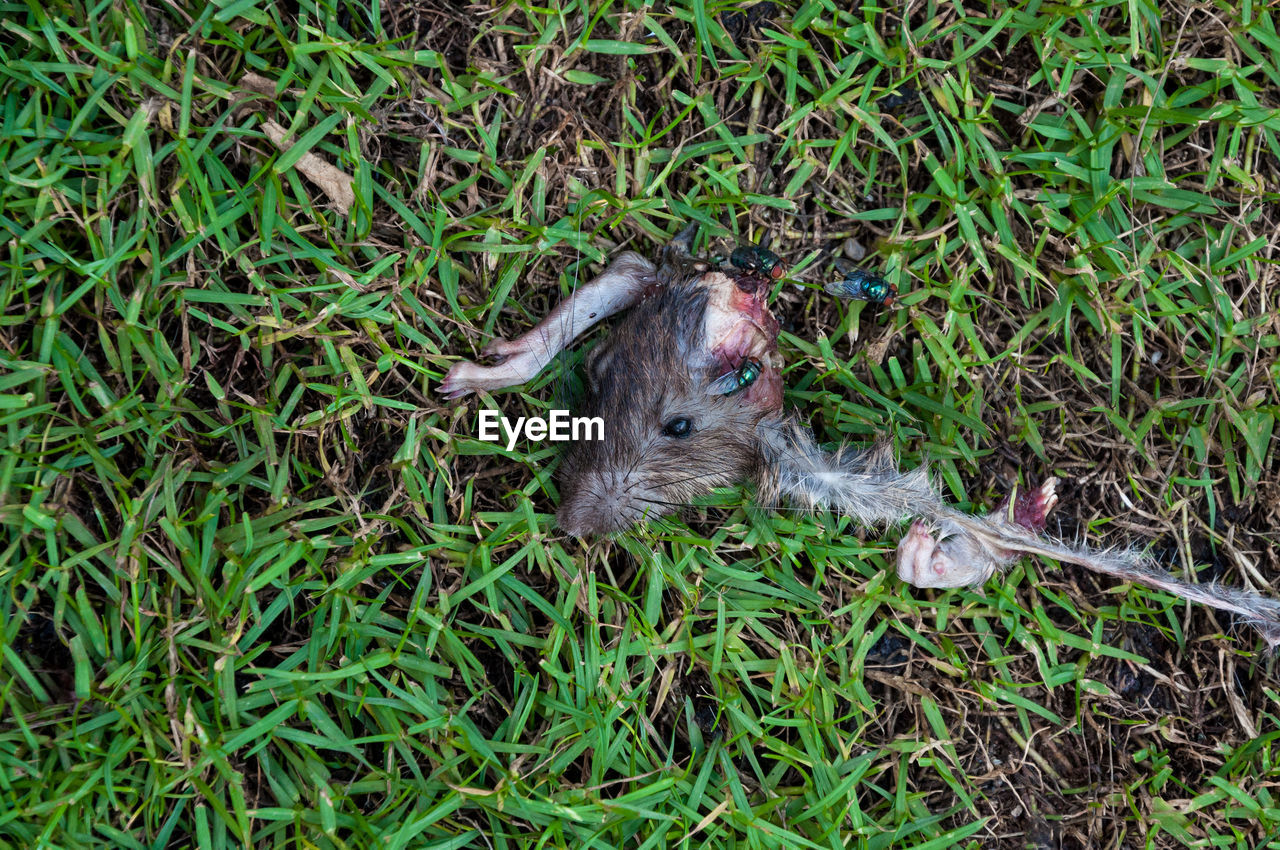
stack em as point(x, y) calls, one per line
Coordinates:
point(1029, 509)
point(947, 548)
point(623, 283)
point(947, 552)
point(971, 548)
point(943, 548)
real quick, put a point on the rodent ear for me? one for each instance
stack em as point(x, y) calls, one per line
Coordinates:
point(599, 361)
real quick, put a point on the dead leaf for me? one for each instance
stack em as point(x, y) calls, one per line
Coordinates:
point(333, 181)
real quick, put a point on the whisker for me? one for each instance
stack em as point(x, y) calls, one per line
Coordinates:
point(665, 502)
point(696, 477)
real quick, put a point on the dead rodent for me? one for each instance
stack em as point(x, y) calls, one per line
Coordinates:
point(682, 383)
point(689, 389)
point(671, 431)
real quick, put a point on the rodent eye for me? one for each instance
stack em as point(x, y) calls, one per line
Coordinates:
point(678, 427)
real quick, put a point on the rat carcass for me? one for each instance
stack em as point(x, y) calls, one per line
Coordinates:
point(689, 386)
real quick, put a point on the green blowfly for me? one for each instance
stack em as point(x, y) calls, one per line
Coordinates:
point(738, 379)
point(864, 286)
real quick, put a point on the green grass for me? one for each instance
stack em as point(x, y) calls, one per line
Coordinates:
point(262, 588)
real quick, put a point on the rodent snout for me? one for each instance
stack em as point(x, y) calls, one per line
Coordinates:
point(603, 503)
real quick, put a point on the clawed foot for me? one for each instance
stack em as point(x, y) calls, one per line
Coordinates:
point(455, 384)
point(1031, 508)
point(466, 377)
point(949, 556)
point(950, 560)
point(510, 362)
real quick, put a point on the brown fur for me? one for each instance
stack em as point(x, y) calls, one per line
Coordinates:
point(651, 370)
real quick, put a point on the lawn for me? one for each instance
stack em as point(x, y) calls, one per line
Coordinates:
point(263, 586)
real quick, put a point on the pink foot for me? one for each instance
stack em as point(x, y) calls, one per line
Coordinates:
point(450, 387)
point(915, 552)
point(1031, 508)
point(949, 560)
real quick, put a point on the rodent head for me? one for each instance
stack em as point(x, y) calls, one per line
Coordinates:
point(672, 429)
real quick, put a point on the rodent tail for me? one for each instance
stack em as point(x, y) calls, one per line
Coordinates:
point(867, 486)
point(1259, 611)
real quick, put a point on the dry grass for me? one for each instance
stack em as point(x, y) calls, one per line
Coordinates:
point(263, 587)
